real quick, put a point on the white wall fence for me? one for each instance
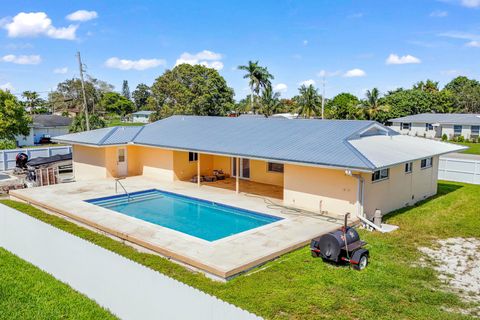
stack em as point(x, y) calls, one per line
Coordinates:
point(126, 288)
point(8, 157)
point(460, 170)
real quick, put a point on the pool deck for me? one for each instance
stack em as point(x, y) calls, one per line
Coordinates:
point(222, 258)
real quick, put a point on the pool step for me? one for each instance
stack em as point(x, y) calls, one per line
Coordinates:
point(125, 199)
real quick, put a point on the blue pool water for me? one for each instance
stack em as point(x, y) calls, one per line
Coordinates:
point(199, 218)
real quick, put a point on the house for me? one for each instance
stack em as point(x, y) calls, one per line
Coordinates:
point(44, 125)
point(141, 116)
point(435, 125)
point(318, 165)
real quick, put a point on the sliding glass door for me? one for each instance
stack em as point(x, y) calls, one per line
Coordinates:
point(244, 168)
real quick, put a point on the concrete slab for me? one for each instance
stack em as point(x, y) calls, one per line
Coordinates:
point(223, 258)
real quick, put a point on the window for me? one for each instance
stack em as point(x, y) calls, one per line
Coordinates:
point(408, 167)
point(428, 127)
point(426, 163)
point(475, 131)
point(192, 156)
point(275, 167)
point(405, 125)
point(380, 175)
point(457, 130)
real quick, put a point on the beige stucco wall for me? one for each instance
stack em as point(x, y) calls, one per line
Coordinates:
point(318, 189)
point(259, 173)
point(88, 163)
point(400, 189)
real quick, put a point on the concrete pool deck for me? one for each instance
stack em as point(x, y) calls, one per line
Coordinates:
point(222, 258)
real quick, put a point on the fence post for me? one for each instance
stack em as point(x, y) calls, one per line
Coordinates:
point(4, 157)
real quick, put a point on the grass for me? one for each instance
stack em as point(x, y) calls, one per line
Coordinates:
point(118, 122)
point(297, 286)
point(26, 292)
point(474, 148)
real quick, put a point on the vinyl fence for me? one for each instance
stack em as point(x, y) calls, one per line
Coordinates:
point(7, 157)
point(460, 170)
point(126, 288)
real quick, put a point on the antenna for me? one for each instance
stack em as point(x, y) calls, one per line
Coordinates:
point(85, 108)
point(323, 95)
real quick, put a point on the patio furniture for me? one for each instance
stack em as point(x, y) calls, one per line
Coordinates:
point(211, 178)
point(195, 179)
point(219, 174)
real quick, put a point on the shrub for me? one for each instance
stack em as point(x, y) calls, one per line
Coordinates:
point(460, 139)
point(444, 137)
point(7, 144)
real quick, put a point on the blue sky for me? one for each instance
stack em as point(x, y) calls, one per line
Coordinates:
point(357, 44)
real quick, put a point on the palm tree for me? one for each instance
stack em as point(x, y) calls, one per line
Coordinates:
point(259, 79)
point(373, 105)
point(270, 101)
point(32, 99)
point(309, 101)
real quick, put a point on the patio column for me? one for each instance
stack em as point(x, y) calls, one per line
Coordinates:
point(237, 180)
point(198, 170)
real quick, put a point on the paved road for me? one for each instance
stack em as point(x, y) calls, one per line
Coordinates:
point(464, 156)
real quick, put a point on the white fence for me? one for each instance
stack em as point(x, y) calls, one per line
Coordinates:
point(126, 288)
point(460, 170)
point(7, 157)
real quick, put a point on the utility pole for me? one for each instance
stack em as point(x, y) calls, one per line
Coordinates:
point(323, 96)
point(85, 108)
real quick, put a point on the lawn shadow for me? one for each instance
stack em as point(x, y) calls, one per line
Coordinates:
point(444, 188)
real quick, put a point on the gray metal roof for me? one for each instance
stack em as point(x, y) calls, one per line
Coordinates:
point(362, 145)
point(101, 137)
point(443, 118)
point(146, 113)
point(50, 120)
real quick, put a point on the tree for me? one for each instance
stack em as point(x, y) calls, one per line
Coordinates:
point(114, 103)
point(13, 118)
point(140, 96)
point(126, 90)
point(466, 94)
point(79, 123)
point(309, 101)
point(259, 78)
point(374, 107)
point(68, 95)
point(428, 86)
point(269, 101)
point(191, 89)
point(345, 106)
point(32, 100)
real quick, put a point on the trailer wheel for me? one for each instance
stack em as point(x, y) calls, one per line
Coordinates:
point(362, 262)
point(315, 254)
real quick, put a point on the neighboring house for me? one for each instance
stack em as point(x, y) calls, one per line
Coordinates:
point(435, 125)
point(44, 125)
point(337, 166)
point(141, 116)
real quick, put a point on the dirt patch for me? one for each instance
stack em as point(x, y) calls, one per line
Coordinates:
point(457, 261)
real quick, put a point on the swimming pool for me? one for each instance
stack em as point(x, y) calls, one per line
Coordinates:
point(199, 218)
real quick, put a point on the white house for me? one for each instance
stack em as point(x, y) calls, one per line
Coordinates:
point(44, 125)
point(434, 125)
point(141, 116)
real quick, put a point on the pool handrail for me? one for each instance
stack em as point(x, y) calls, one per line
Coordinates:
point(117, 182)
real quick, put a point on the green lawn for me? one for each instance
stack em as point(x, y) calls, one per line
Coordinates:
point(474, 148)
point(26, 292)
point(297, 286)
point(117, 122)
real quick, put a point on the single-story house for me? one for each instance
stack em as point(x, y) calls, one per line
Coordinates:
point(335, 166)
point(44, 125)
point(435, 125)
point(141, 116)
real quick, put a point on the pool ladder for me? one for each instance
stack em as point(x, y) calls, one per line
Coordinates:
point(117, 182)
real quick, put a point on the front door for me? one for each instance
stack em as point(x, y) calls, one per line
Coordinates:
point(244, 168)
point(122, 168)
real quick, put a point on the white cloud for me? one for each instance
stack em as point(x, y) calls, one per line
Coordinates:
point(280, 87)
point(305, 42)
point(34, 24)
point(82, 15)
point(473, 44)
point(60, 70)
point(439, 14)
point(141, 64)
point(451, 72)
point(354, 73)
point(7, 86)
point(205, 58)
point(470, 3)
point(308, 82)
point(356, 15)
point(23, 59)
point(326, 74)
point(406, 59)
